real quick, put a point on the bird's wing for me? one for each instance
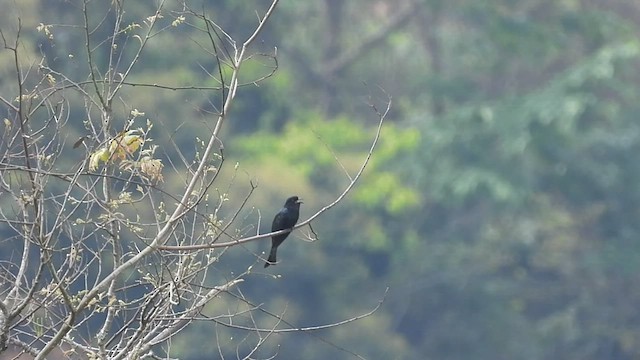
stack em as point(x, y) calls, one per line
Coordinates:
point(279, 220)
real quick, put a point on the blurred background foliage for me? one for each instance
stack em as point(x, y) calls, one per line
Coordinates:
point(501, 207)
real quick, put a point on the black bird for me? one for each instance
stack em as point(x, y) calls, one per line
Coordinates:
point(286, 218)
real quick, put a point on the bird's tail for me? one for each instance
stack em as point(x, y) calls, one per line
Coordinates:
point(272, 257)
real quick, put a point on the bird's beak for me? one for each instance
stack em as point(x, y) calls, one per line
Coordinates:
point(299, 201)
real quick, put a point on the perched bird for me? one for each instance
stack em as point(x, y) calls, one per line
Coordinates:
point(286, 218)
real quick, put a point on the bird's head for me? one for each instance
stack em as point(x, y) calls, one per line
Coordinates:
point(293, 201)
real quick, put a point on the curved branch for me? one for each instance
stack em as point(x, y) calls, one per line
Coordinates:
point(308, 328)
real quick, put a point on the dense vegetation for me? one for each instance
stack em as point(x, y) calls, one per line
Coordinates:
point(500, 208)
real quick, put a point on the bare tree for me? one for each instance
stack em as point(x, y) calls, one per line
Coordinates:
point(113, 262)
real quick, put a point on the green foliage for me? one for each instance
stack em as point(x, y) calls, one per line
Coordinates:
point(312, 145)
point(386, 189)
point(308, 145)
